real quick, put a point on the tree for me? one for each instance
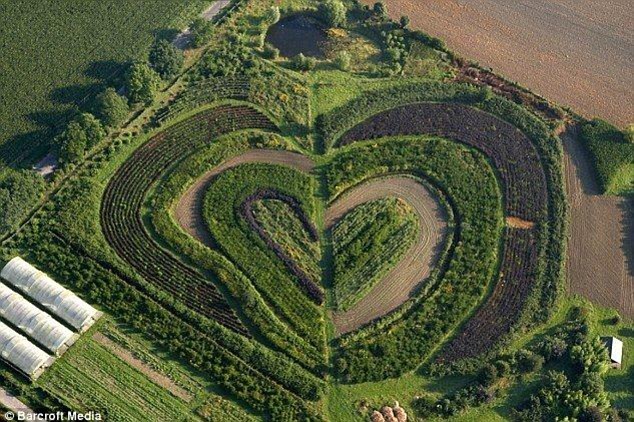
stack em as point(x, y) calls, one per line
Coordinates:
point(333, 12)
point(111, 108)
point(380, 9)
point(273, 15)
point(141, 83)
point(92, 128)
point(166, 59)
point(72, 143)
point(404, 21)
point(303, 63)
point(590, 356)
point(201, 32)
point(342, 60)
point(488, 374)
point(270, 52)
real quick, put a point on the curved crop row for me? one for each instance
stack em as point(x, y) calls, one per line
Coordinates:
point(236, 238)
point(121, 209)
point(523, 180)
point(246, 210)
point(399, 341)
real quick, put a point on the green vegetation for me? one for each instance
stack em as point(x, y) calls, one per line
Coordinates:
point(368, 241)
point(612, 155)
point(141, 83)
point(17, 192)
point(238, 240)
point(166, 59)
point(90, 378)
point(401, 342)
point(46, 79)
point(111, 108)
point(281, 223)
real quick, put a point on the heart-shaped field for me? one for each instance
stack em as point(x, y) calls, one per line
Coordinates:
point(398, 284)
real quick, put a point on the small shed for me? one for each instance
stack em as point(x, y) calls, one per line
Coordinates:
point(615, 351)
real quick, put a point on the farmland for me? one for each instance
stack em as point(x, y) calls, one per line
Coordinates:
point(371, 228)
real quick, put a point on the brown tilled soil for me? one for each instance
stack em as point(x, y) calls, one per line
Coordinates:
point(600, 263)
point(126, 356)
point(189, 209)
point(576, 52)
point(402, 280)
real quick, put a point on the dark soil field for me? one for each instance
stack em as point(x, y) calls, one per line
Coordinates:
point(576, 52)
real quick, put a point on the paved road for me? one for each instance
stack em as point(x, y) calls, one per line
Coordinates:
point(575, 52)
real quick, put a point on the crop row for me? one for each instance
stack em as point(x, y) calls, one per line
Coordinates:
point(231, 231)
point(246, 210)
point(511, 152)
point(492, 321)
point(398, 342)
point(121, 209)
point(205, 92)
point(243, 369)
point(523, 180)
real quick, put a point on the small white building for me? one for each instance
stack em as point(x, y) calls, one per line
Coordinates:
point(615, 350)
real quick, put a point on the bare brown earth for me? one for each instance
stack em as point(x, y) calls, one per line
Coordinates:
point(126, 356)
point(406, 276)
point(600, 262)
point(189, 209)
point(576, 52)
point(398, 284)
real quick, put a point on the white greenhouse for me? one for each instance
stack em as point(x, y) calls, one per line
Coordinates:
point(35, 323)
point(22, 354)
point(53, 296)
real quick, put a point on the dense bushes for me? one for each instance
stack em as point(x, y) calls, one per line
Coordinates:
point(166, 59)
point(399, 342)
point(368, 241)
point(19, 192)
point(612, 155)
point(243, 246)
point(333, 12)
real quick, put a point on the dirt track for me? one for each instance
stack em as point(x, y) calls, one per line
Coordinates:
point(399, 283)
point(189, 209)
point(576, 52)
point(600, 263)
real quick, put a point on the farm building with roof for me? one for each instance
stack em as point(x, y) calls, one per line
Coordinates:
point(53, 296)
point(22, 354)
point(615, 351)
point(34, 322)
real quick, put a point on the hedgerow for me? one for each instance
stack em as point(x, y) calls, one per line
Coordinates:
point(238, 240)
point(612, 156)
point(258, 313)
point(386, 350)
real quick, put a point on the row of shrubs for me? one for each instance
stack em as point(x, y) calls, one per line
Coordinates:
point(612, 155)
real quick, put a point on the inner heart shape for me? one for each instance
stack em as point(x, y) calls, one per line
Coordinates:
point(391, 290)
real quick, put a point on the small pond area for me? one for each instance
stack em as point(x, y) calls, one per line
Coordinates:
point(298, 34)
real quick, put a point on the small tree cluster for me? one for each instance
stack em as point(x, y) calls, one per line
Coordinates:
point(201, 32)
point(111, 108)
point(142, 83)
point(165, 59)
point(303, 63)
point(80, 135)
point(333, 12)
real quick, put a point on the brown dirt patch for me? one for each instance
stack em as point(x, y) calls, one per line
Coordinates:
point(576, 52)
point(518, 223)
point(600, 262)
point(189, 209)
point(126, 356)
point(406, 276)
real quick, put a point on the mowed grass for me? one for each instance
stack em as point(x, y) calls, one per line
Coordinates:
point(56, 53)
point(91, 378)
